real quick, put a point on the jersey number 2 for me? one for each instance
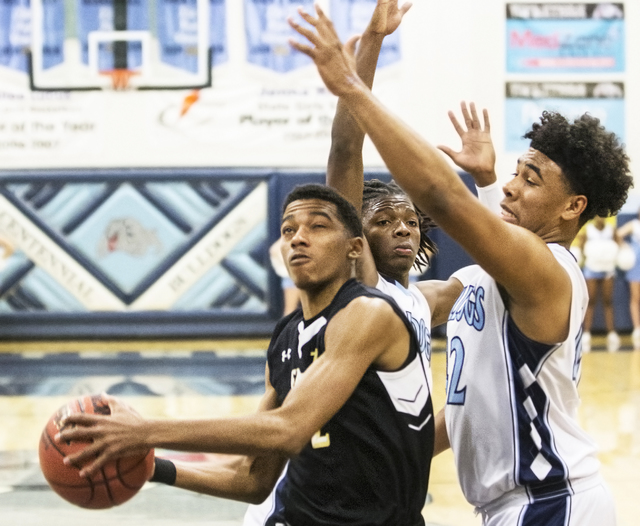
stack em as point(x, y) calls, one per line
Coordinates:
point(455, 395)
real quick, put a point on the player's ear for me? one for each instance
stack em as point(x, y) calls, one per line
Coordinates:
point(356, 248)
point(574, 208)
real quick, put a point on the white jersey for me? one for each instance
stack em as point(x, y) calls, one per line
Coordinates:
point(413, 303)
point(511, 410)
point(600, 248)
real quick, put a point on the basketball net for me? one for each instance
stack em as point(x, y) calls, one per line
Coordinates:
point(119, 78)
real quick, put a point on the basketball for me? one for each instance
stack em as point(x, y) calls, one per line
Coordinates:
point(114, 484)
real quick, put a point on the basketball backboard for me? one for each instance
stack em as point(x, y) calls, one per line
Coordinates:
point(160, 44)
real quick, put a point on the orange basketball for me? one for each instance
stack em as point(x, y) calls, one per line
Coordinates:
point(114, 484)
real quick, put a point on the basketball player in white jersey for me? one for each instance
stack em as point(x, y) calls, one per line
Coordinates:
point(514, 335)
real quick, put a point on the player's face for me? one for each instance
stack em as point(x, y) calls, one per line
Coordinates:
point(393, 231)
point(536, 196)
point(316, 247)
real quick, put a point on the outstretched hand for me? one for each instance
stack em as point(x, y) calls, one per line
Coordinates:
point(477, 156)
point(115, 436)
point(387, 16)
point(335, 62)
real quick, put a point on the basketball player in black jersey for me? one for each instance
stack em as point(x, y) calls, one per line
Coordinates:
point(347, 400)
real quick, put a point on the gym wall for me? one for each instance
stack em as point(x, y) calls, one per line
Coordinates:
point(170, 163)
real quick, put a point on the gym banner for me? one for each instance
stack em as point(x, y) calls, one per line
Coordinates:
point(178, 33)
point(113, 15)
point(48, 256)
point(351, 17)
point(15, 33)
point(565, 38)
point(268, 34)
point(52, 33)
point(218, 14)
point(525, 102)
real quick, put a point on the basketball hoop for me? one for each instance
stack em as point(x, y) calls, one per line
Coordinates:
point(119, 78)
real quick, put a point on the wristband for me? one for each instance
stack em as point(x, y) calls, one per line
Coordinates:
point(491, 196)
point(165, 472)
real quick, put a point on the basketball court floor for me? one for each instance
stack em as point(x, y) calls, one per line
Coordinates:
point(208, 379)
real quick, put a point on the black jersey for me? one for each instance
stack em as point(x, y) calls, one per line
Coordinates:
point(369, 465)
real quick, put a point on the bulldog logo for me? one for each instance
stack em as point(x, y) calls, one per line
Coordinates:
point(129, 236)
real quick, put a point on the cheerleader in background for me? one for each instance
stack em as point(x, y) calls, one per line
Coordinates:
point(631, 230)
point(598, 241)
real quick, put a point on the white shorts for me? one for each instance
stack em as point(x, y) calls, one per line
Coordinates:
point(591, 507)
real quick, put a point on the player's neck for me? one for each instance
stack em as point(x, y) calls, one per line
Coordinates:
point(315, 300)
point(403, 279)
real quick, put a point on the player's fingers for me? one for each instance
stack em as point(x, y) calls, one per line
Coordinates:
point(113, 403)
point(456, 124)
point(487, 124)
point(310, 19)
point(307, 50)
point(91, 469)
point(311, 36)
point(80, 458)
point(465, 115)
point(320, 12)
point(447, 150)
point(82, 419)
point(405, 7)
point(474, 115)
point(77, 433)
point(350, 45)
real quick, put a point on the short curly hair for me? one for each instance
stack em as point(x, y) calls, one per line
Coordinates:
point(347, 213)
point(592, 160)
point(375, 190)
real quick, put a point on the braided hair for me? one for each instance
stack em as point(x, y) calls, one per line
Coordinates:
point(374, 190)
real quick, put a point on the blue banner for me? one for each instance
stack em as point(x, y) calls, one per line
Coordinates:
point(526, 101)
point(351, 17)
point(15, 33)
point(218, 15)
point(178, 33)
point(565, 38)
point(52, 33)
point(113, 15)
point(268, 33)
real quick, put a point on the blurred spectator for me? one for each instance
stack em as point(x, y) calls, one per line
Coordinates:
point(631, 230)
point(598, 242)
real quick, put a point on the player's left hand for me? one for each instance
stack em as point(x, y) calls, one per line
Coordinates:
point(387, 16)
point(478, 156)
point(335, 62)
point(120, 434)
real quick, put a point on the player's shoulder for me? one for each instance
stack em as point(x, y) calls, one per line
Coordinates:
point(369, 303)
point(282, 326)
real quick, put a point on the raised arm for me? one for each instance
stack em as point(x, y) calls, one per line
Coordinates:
point(500, 248)
point(345, 169)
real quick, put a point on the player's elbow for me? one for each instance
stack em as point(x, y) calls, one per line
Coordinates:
point(258, 494)
point(290, 443)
